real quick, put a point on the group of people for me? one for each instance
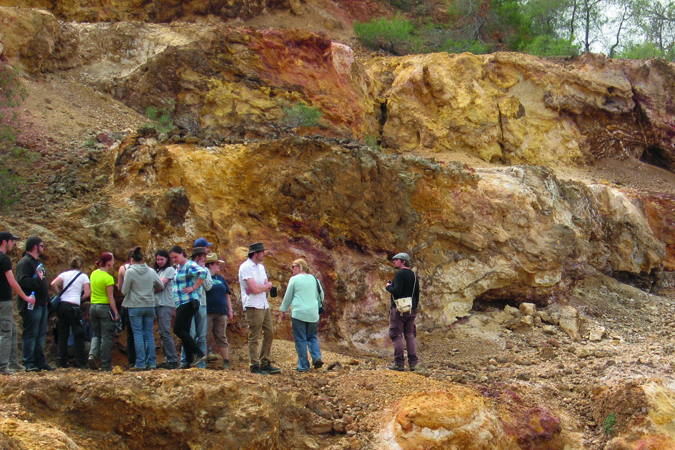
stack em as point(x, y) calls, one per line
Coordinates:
point(189, 292)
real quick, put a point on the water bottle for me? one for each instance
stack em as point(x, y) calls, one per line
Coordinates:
point(31, 305)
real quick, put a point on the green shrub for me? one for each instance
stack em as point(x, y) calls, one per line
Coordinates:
point(549, 46)
point(301, 115)
point(163, 118)
point(371, 141)
point(642, 50)
point(475, 47)
point(395, 36)
point(610, 421)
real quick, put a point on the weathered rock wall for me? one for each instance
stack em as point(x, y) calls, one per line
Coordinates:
point(515, 233)
point(220, 82)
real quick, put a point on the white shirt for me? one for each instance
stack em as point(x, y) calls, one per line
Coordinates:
point(74, 292)
point(247, 270)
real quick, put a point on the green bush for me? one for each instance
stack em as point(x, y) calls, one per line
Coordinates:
point(475, 47)
point(549, 46)
point(610, 421)
point(163, 118)
point(395, 36)
point(301, 115)
point(642, 50)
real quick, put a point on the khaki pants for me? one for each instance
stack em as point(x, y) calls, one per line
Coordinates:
point(259, 320)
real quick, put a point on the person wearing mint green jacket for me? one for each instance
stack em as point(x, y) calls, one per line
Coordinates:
point(303, 296)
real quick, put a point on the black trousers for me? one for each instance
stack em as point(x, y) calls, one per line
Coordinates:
point(69, 317)
point(181, 328)
point(131, 346)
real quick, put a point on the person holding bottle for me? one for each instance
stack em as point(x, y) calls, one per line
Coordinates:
point(31, 275)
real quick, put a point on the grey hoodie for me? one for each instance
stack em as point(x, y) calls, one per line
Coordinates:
point(139, 286)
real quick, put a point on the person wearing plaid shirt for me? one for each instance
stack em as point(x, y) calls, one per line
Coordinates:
point(189, 277)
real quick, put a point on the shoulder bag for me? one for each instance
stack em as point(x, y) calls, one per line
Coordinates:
point(404, 305)
point(55, 301)
point(318, 293)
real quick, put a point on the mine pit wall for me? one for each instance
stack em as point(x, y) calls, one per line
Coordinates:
point(514, 232)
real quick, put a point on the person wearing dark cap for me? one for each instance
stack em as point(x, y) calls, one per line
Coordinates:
point(254, 288)
point(405, 284)
point(30, 274)
point(202, 242)
point(8, 329)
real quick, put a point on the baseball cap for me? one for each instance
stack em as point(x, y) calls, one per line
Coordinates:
point(202, 242)
point(7, 236)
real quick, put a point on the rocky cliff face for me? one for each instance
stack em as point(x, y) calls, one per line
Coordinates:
point(509, 108)
point(484, 213)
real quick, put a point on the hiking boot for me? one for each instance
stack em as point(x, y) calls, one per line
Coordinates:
point(269, 369)
point(318, 364)
point(47, 367)
point(93, 365)
point(413, 368)
point(186, 365)
point(212, 357)
point(256, 370)
point(396, 368)
point(198, 360)
point(6, 371)
point(226, 364)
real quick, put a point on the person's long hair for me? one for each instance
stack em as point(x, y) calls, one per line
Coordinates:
point(164, 253)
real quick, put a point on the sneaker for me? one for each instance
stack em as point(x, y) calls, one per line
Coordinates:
point(396, 368)
point(318, 364)
point(6, 371)
point(16, 367)
point(212, 357)
point(137, 369)
point(169, 365)
point(198, 360)
point(302, 370)
point(269, 369)
point(185, 366)
point(93, 365)
point(226, 364)
point(47, 367)
point(32, 369)
point(412, 368)
point(256, 370)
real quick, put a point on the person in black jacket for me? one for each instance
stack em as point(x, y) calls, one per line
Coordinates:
point(405, 284)
point(30, 274)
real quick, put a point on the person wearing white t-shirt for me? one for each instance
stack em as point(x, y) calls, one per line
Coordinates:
point(69, 313)
point(254, 288)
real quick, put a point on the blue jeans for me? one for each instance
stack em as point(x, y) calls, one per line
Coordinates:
point(33, 339)
point(142, 320)
point(305, 335)
point(198, 333)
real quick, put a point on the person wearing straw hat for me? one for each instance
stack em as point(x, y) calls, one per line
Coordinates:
point(218, 308)
point(405, 284)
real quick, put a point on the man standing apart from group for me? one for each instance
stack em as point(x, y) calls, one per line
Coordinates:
point(8, 284)
point(405, 284)
point(254, 288)
point(30, 273)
